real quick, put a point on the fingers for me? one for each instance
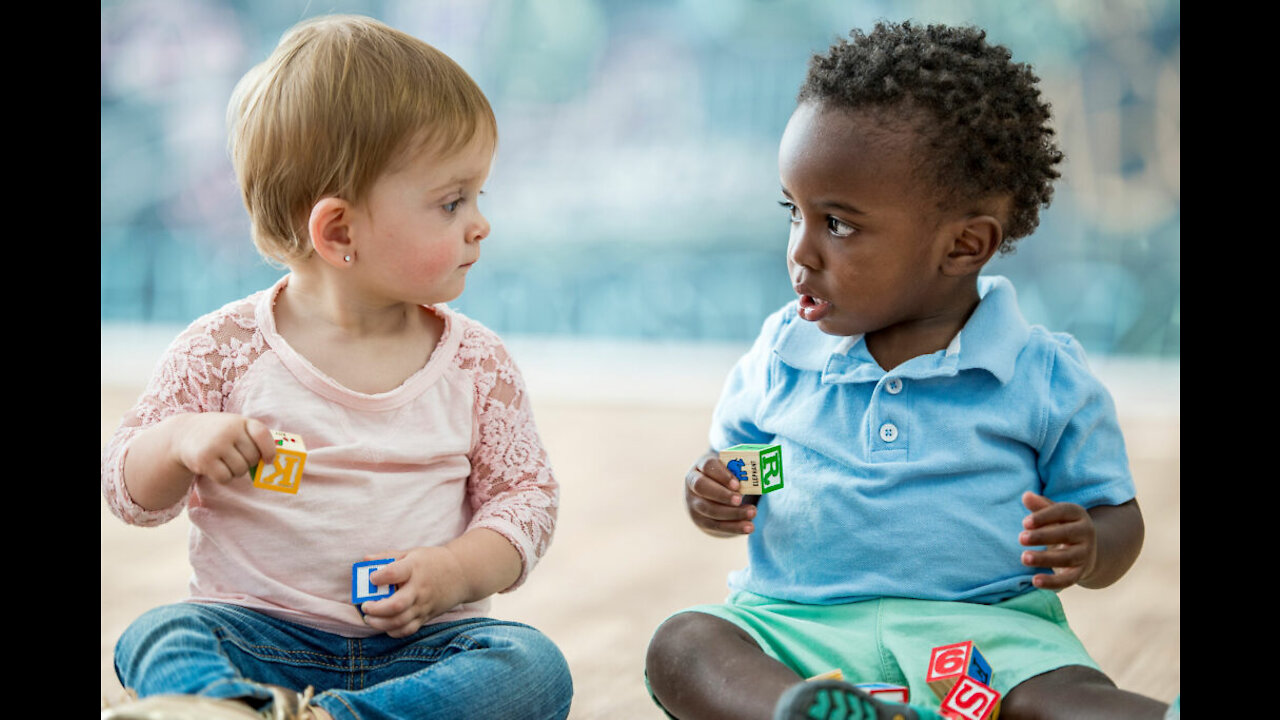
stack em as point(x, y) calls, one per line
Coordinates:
point(1047, 512)
point(1057, 556)
point(710, 468)
point(223, 446)
point(396, 615)
point(1068, 563)
point(713, 501)
point(259, 435)
point(1071, 532)
point(1034, 502)
point(408, 608)
point(219, 462)
point(1067, 536)
point(393, 573)
point(1057, 580)
point(710, 491)
point(391, 612)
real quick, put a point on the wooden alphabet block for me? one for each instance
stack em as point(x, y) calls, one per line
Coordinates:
point(284, 474)
point(885, 691)
point(362, 588)
point(970, 700)
point(757, 467)
point(949, 663)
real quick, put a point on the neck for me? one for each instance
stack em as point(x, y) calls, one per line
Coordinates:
point(313, 299)
point(926, 334)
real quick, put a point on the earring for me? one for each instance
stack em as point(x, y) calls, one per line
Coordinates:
point(347, 258)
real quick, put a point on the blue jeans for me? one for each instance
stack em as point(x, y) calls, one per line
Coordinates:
point(477, 668)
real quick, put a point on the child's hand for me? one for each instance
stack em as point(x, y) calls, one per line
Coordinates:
point(428, 580)
point(221, 446)
point(1069, 536)
point(710, 493)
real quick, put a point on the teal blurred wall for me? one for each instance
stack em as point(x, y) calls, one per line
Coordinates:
point(634, 194)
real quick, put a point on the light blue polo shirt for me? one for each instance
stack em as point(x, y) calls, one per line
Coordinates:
point(909, 483)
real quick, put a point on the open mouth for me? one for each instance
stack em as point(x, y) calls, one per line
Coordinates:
point(812, 308)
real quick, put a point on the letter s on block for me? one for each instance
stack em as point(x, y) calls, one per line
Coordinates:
point(970, 700)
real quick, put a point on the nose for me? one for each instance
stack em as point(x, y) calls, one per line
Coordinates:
point(479, 230)
point(801, 247)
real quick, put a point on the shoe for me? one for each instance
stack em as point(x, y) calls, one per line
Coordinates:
point(839, 700)
point(285, 705)
point(181, 707)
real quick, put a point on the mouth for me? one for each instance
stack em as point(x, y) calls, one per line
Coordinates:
point(811, 307)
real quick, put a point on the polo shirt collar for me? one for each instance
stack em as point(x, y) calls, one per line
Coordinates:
point(990, 340)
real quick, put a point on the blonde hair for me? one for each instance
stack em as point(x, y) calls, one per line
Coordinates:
point(340, 100)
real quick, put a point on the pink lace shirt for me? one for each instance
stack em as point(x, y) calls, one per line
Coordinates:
point(453, 448)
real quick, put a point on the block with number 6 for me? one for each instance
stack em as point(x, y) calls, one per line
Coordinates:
point(949, 663)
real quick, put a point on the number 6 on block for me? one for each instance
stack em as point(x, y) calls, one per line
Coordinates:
point(949, 663)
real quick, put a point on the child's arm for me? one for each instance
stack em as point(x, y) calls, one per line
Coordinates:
point(1093, 548)
point(710, 494)
point(432, 580)
point(164, 459)
point(145, 473)
point(511, 491)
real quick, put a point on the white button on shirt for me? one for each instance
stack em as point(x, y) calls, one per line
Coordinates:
point(894, 386)
point(888, 432)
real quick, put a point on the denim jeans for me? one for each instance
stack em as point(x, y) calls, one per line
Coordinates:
point(478, 668)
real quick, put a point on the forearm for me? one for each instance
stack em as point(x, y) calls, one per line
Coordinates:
point(1120, 531)
point(153, 476)
point(487, 563)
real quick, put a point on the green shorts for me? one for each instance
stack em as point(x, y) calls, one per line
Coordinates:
point(890, 639)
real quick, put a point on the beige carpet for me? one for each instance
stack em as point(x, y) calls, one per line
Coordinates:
point(625, 555)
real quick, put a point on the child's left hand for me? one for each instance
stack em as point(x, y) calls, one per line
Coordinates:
point(1069, 536)
point(428, 580)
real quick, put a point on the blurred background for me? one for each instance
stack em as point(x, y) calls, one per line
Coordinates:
point(636, 247)
point(634, 192)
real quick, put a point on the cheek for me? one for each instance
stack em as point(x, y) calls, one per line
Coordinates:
point(431, 263)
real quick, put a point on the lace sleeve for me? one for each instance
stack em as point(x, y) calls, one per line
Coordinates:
point(195, 374)
point(511, 488)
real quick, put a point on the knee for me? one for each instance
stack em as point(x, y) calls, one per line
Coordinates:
point(1063, 687)
point(156, 639)
point(545, 678)
point(679, 645)
point(154, 624)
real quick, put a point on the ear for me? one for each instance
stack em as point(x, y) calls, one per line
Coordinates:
point(974, 241)
point(329, 227)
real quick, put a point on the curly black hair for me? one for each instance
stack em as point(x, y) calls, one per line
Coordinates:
point(984, 126)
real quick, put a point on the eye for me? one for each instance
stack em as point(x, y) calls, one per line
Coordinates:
point(453, 206)
point(793, 213)
point(838, 227)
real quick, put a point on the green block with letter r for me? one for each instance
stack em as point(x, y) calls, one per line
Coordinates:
point(758, 467)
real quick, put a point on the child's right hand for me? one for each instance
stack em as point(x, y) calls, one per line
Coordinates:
point(167, 457)
point(221, 446)
point(711, 494)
